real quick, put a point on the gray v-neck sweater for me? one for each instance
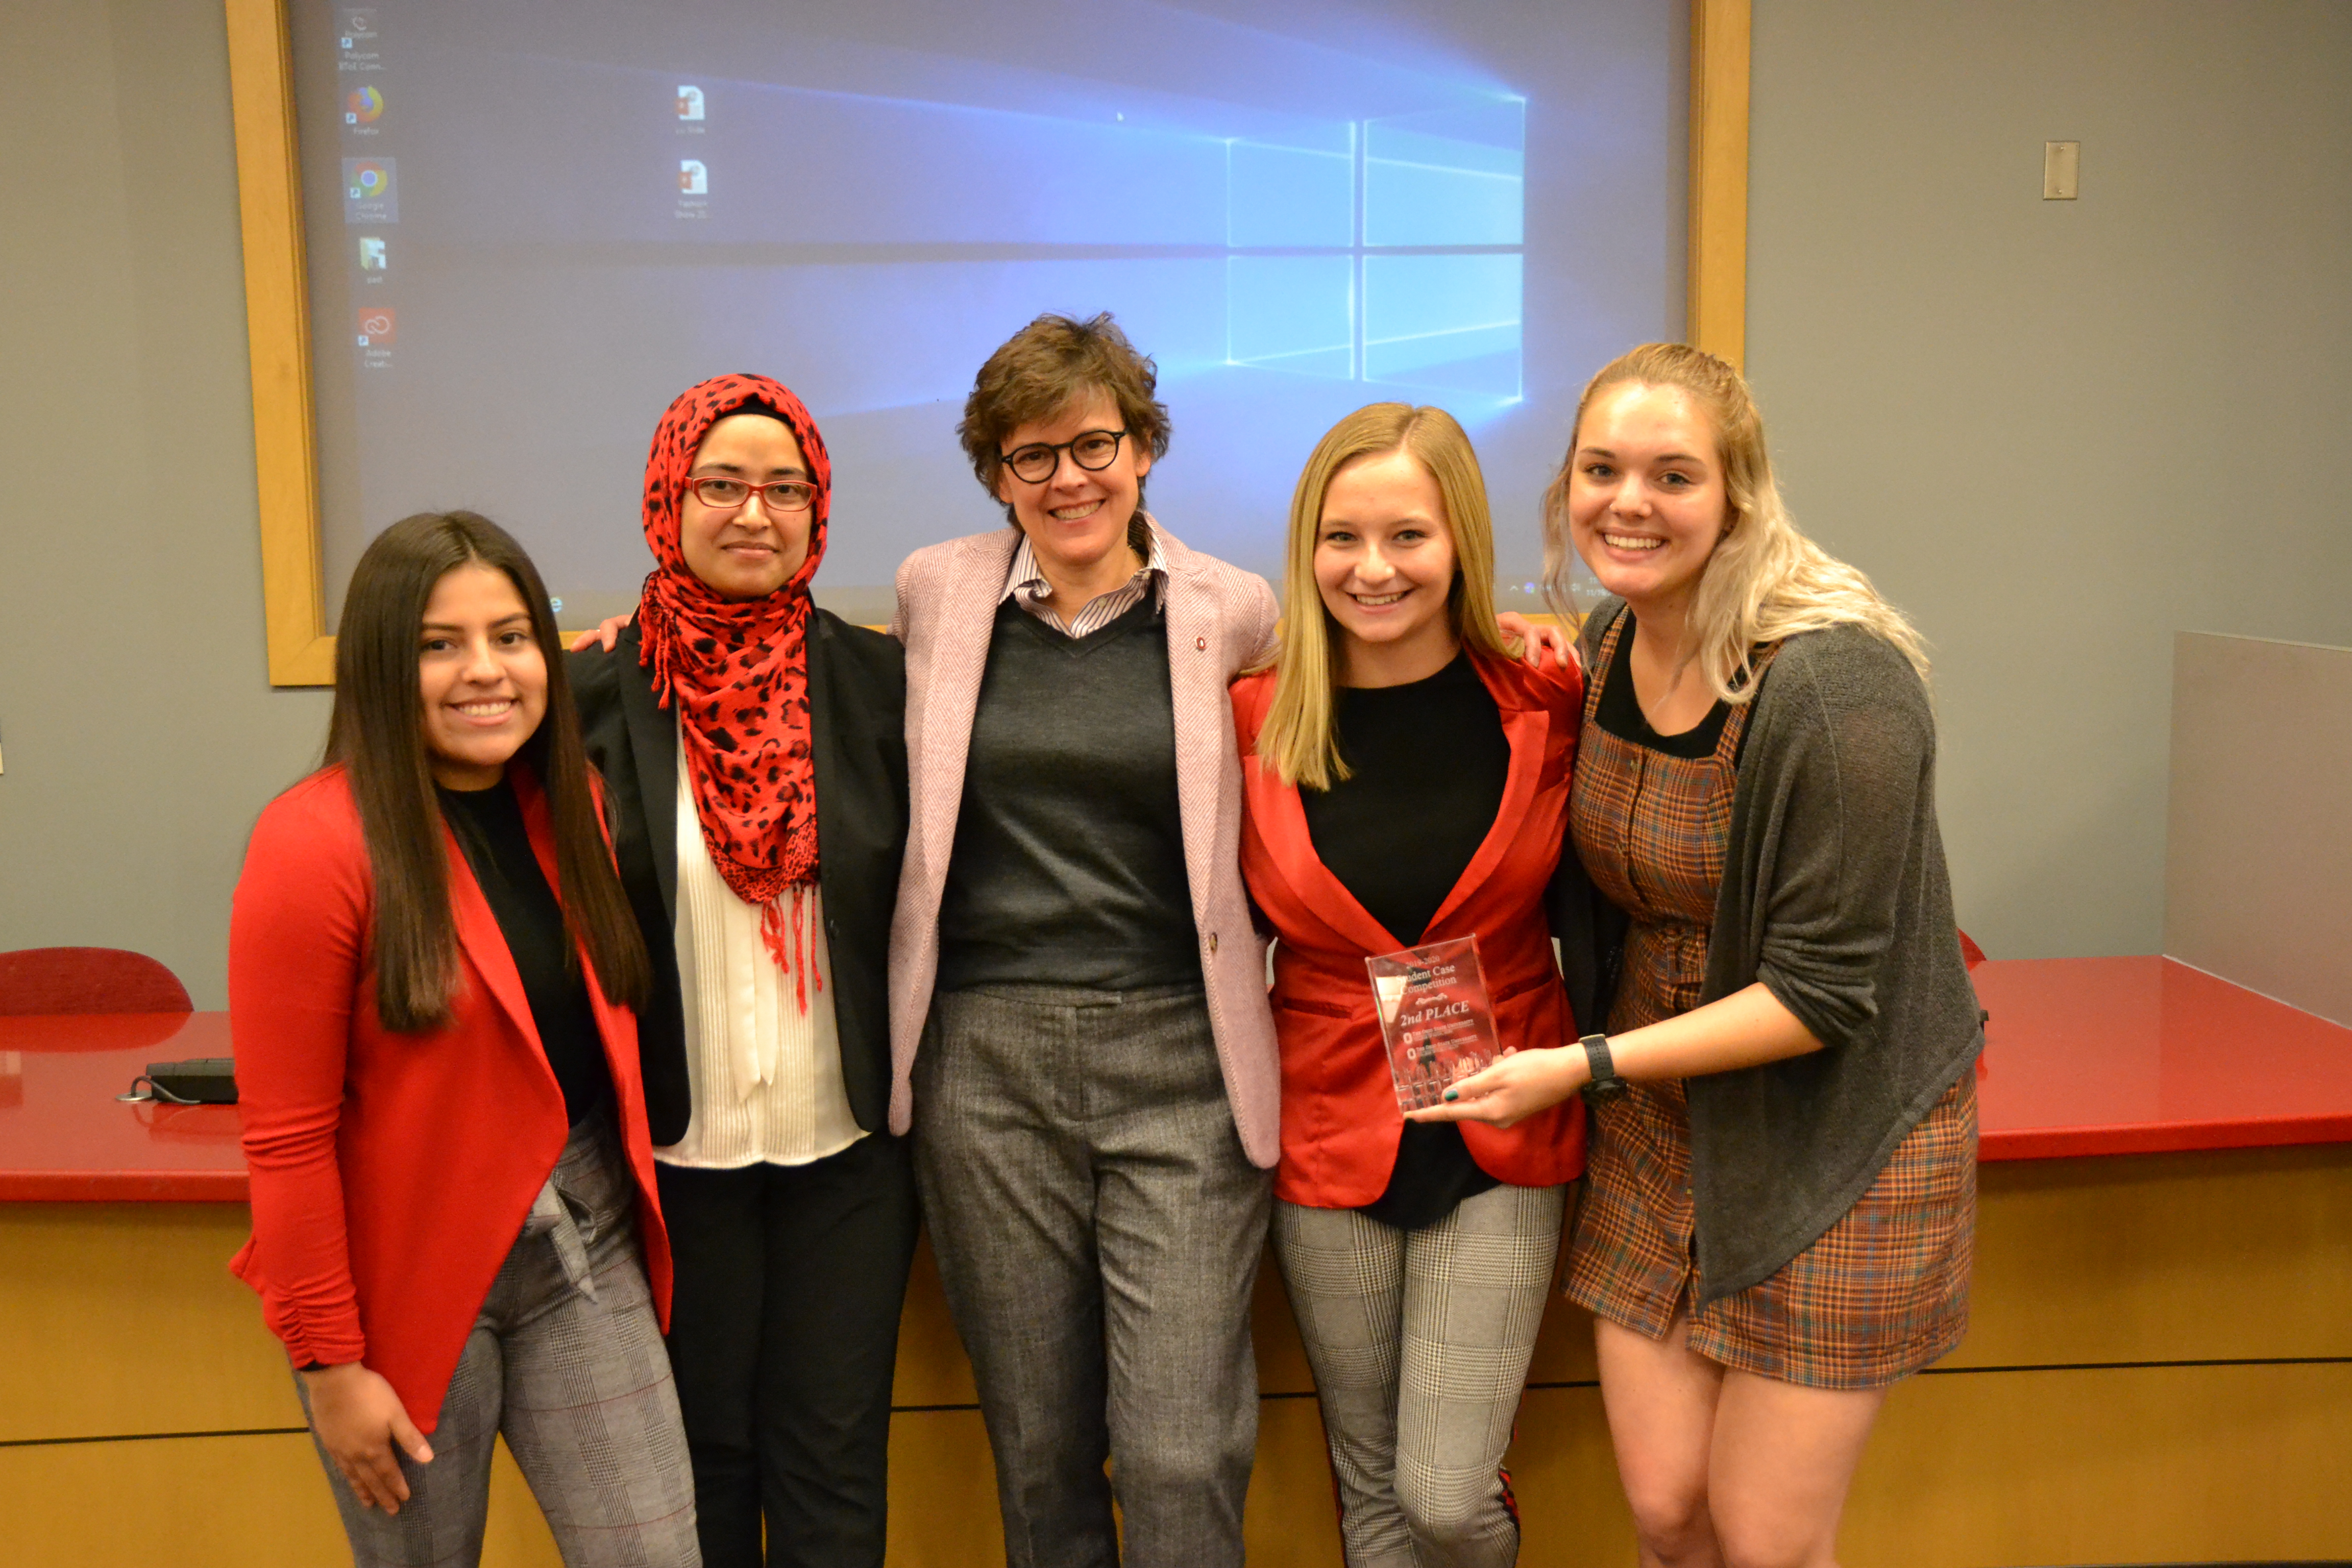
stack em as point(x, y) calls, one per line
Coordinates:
point(1835, 897)
point(1068, 867)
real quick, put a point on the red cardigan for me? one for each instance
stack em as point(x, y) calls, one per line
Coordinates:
point(391, 1173)
point(1340, 1117)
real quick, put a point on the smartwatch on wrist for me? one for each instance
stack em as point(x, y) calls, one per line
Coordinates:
point(1606, 1085)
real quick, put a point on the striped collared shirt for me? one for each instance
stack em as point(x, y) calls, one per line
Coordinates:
point(1026, 586)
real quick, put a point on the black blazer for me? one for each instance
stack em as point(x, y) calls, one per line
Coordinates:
point(857, 729)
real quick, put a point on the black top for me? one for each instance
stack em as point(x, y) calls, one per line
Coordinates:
point(1429, 761)
point(1621, 714)
point(858, 744)
point(1068, 867)
point(489, 825)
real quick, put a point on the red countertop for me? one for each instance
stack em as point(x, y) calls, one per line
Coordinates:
point(64, 1138)
point(2082, 1056)
point(2140, 1056)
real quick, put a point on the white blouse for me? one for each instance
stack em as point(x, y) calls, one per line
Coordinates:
point(765, 1076)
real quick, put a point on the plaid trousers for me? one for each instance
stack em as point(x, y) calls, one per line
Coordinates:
point(1419, 1341)
point(566, 1359)
point(1098, 1230)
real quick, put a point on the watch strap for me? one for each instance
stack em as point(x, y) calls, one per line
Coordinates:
point(1605, 1084)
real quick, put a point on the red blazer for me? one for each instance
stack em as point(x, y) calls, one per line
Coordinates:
point(391, 1173)
point(1340, 1117)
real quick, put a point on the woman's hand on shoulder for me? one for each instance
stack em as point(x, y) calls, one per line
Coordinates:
point(358, 1418)
point(1549, 642)
point(1514, 1087)
point(607, 636)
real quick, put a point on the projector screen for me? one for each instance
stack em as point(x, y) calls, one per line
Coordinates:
point(528, 228)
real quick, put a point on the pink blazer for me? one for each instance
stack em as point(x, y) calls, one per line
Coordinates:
point(1219, 621)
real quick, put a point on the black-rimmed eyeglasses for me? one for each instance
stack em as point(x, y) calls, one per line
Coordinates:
point(778, 495)
point(1090, 449)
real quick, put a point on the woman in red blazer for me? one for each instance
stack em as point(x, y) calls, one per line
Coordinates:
point(1406, 783)
point(431, 963)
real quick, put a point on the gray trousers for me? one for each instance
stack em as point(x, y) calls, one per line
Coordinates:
point(566, 1359)
point(1098, 1231)
point(1419, 1341)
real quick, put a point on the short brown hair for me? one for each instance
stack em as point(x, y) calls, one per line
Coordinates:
point(1043, 369)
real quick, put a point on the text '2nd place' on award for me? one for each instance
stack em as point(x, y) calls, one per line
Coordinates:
point(1435, 1016)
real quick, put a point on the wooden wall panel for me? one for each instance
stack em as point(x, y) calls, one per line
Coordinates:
point(2160, 1259)
point(2243, 1254)
point(1572, 1510)
point(140, 1325)
point(2170, 1464)
point(211, 1502)
point(932, 1369)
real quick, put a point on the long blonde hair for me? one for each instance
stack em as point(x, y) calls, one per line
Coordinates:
point(1296, 739)
point(1765, 580)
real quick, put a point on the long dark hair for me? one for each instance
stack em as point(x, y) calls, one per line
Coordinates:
point(377, 734)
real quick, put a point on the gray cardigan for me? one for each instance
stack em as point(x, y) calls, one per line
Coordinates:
point(1835, 896)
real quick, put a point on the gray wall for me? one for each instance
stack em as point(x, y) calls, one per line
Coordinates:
point(141, 734)
point(2056, 432)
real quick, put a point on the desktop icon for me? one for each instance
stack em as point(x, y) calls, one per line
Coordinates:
point(364, 106)
point(356, 38)
point(376, 326)
point(372, 255)
point(369, 191)
point(693, 179)
point(690, 103)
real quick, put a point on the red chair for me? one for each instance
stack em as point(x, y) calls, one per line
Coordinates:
point(86, 980)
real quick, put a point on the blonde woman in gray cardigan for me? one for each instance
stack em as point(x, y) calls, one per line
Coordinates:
point(1781, 1192)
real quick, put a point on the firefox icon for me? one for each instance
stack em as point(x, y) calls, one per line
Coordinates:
point(364, 106)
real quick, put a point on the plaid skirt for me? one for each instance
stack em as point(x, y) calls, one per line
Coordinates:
point(1883, 1293)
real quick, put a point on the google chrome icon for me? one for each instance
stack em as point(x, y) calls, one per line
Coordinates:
point(369, 181)
point(364, 106)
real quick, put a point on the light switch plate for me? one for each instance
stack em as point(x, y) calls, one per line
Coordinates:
point(2062, 166)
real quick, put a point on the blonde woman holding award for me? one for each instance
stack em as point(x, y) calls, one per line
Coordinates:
point(1406, 784)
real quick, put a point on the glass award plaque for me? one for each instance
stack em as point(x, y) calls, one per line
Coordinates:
point(1434, 1016)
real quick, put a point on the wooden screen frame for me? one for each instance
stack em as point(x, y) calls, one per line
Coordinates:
point(277, 296)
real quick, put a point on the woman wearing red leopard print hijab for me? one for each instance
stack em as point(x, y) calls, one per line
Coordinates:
point(728, 647)
point(753, 752)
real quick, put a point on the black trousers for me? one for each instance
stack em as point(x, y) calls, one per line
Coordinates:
point(783, 1336)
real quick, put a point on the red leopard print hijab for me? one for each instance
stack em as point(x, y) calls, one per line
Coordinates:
point(737, 670)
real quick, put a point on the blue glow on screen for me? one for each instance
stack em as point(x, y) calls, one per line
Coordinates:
point(1295, 210)
point(1392, 254)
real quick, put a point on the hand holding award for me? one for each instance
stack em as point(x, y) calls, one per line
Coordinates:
point(1434, 1016)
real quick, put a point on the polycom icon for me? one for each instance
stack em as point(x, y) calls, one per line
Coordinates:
point(376, 326)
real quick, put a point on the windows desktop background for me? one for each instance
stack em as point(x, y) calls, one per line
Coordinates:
point(530, 226)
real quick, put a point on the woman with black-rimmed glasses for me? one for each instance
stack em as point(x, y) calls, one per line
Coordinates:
point(1078, 1017)
point(755, 767)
